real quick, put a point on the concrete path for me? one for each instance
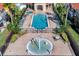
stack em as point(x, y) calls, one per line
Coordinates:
point(19, 47)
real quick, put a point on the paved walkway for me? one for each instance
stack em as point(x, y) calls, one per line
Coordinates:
point(19, 47)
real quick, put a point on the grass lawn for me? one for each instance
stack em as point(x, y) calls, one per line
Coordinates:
point(3, 36)
point(74, 35)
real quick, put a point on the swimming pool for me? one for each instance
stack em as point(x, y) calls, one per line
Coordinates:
point(39, 21)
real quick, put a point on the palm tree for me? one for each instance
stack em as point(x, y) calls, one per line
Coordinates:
point(63, 13)
point(7, 7)
point(15, 17)
point(66, 16)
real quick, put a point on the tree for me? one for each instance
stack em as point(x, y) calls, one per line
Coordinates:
point(7, 8)
point(15, 14)
point(63, 13)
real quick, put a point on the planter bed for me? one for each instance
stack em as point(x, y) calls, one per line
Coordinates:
point(74, 40)
point(5, 41)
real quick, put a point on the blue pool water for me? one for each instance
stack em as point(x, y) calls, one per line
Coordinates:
point(39, 21)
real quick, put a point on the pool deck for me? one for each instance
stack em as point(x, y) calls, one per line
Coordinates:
point(19, 46)
point(28, 22)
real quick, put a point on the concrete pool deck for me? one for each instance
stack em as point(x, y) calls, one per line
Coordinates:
point(28, 21)
point(19, 47)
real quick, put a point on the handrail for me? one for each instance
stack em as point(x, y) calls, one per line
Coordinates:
point(47, 30)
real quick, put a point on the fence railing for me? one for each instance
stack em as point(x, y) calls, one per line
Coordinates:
point(32, 30)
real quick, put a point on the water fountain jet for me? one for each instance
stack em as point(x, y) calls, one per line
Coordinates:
point(39, 46)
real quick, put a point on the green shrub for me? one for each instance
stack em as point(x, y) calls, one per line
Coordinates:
point(14, 37)
point(13, 27)
point(65, 38)
point(61, 31)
